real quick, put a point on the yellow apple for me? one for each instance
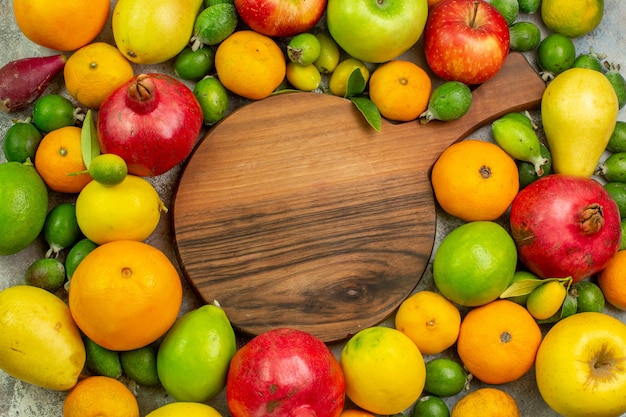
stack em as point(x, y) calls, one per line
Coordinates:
point(581, 366)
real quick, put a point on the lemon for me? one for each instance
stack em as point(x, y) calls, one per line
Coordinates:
point(129, 210)
point(338, 82)
point(383, 369)
point(572, 18)
point(544, 301)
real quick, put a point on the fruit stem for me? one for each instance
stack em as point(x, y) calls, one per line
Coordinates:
point(473, 21)
point(591, 218)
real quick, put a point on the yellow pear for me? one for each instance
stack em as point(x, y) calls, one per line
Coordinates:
point(154, 31)
point(579, 112)
point(40, 342)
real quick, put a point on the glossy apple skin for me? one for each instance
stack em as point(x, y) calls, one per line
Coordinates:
point(279, 18)
point(376, 30)
point(579, 366)
point(285, 373)
point(553, 239)
point(461, 48)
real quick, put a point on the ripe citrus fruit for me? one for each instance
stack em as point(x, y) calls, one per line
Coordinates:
point(611, 281)
point(59, 160)
point(486, 402)
point(400, 89)
point(354, 412)
point(97, 396)
point(383, 369)
point(53, 111)
point(544, 301)
point(431, 406)
point(184, 409)
point(475, 263)
point(475, 180)
point(23, 206)
point(21, 141)
point(430, 320)
point(444, 377)
point(108, 169)
point(572, 19)
point(338, 82)
point(498, 341)
point(128, 210)
point(94, 71)
point(64, 26)
point(125, 295)
point(250, 64)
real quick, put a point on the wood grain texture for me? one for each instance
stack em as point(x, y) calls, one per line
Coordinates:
point(294, 212)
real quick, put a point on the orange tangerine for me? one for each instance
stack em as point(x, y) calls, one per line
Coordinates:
point(612, 280)
point(100, 396)
point(354, 412)
point(486, 402)
point(59, 158)
point(400, 89)
point(250, 64)
point(125, 295)
point(61, 25)
point(475, 180)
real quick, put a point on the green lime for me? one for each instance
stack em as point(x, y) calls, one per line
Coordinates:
point(617, 141)
point(108, 169)
point(46, 273)
point(475, 263)
point(76, 254)
point(61, 228)
point(445, 377)
point(213, 99)
point(304, 49)
point(52, 112)
point(529, 6)
point(556, 53)
point(21, 142)
point(214, 24)
point(193, 65)
point(303, 77)
point(431, 406)
point(140, 365)
point(526, 171)
point(617, 190)
point(509, 9)
point(449, 101)
point(524, 36)
point(23, 206)
point(589, 296)
point(102, 361)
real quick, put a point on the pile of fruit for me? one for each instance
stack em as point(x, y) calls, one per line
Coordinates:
point(524, 284)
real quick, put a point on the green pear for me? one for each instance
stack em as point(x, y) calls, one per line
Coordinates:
point(579, 109)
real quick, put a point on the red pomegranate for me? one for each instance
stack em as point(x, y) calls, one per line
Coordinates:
point(565, 226)
point(152, 122)
point(285, 373)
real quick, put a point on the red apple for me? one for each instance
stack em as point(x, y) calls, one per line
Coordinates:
point(279, 18)
point(466, 40)
point(285, 373)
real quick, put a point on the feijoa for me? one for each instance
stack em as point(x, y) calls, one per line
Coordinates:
point(613, 168)
point(102, 361)
point(617, 141)
point(61, 228)
point(589, 297)
point(527, 172)
point(529, 6)
point(519, 141)
point(449, 101)
point(21, 141)
point(617, 81)
point(213, 99)
point(46, 273)
point(617, 190)
point(304, 49)
point(524, 36)
point(193, 65)
point(555, 54)
point(76, 254)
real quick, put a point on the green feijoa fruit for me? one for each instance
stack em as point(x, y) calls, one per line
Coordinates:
point(526, 171)
point(76, 254)
point(613, 168)
point(213, 25)
point(23, 206)
point(519, 141)
point(140, 365)
point(431, 406)
point(61, 228)
point(21, 142)
point(622, 245)
point(449, 101)
point(589, 297)
point(589, 61)
point(555, 54)
point(444, 377)
point(617, 141)
point(46, 273)
point(617, 81)
point(617, 190)
point(193, 65)
point(213, 99)
point(53, 111)
point(520, 117)
point(524, 36)
point(209, 3)
point(529, 6)
point(509, 9)
point(102, 361)
point(304, 49)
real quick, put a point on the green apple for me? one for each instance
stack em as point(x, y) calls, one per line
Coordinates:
point(376, 30)
point(579, 366)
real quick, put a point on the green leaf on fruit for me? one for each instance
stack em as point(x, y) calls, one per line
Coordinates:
point(369, 111)
point(526, 286)
point(90, 147)
point(356, 84)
